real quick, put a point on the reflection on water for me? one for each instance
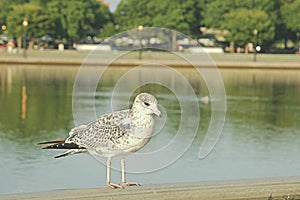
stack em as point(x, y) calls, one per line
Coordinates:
point(260, 137)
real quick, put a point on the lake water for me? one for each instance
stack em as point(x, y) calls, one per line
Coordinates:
point(260, 137)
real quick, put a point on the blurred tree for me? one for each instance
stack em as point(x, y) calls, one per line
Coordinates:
point(291, 14)
point(41, 3)
point(4, 10)
point(6, 7)
point(108, 30)
point(290, 19)
point(39, 23)
point(242, 22)
point(75, 19)
point(215, 11)
point(132, 13)
point(72, 19)
point(219, 11)
point(181, 15)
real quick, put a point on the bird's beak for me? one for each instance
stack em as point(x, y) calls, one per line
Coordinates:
point(157, 112)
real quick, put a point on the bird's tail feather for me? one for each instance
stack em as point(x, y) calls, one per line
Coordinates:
point(43, 144)
point(59, 144)
point(71, 152)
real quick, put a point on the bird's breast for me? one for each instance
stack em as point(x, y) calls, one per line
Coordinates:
point(138, 136)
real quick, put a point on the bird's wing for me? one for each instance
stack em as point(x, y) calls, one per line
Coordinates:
point(77, 130)
point(103, 132)
point(98, 136)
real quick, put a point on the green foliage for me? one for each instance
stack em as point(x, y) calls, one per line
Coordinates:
point(108, 30)
point(181, 15)
point(132, 13)
point(76, 18)
point(72, 19)
point(236, 20)
point(4, 9)
point(36, 16)
point(215, 11)
point(244, 16)
point(291, 14)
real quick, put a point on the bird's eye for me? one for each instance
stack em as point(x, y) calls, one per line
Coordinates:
point(147, 104)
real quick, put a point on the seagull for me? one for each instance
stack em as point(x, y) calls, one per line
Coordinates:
point(113, 134)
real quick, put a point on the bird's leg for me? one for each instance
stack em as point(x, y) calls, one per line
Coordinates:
point(108, 183)
point(124, 176)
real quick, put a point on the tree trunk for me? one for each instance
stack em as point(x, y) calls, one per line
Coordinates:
point(31, 43)
point(285, 42)
point(231, 47)
point(19, 43)
point(247, 48)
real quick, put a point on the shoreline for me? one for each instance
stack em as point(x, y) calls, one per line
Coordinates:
point(121, 59)
point(267, 188)
point(130, 63)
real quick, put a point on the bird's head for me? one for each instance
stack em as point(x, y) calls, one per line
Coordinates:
point(147, 104)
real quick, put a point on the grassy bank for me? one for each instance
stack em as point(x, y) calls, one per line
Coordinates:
point(114, 58)
point(152, 55)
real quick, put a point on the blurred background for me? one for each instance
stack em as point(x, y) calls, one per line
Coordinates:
point(233, 26)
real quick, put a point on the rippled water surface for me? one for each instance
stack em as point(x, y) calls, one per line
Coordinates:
point(261, 135)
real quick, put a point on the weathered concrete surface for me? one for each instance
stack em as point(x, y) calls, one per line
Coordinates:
point(274, 188)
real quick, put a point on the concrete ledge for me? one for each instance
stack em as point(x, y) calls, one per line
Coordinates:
point(136, 62)
point(273, 188)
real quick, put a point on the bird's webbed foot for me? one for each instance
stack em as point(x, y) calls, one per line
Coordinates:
point(130, 184)
point(114, 185)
